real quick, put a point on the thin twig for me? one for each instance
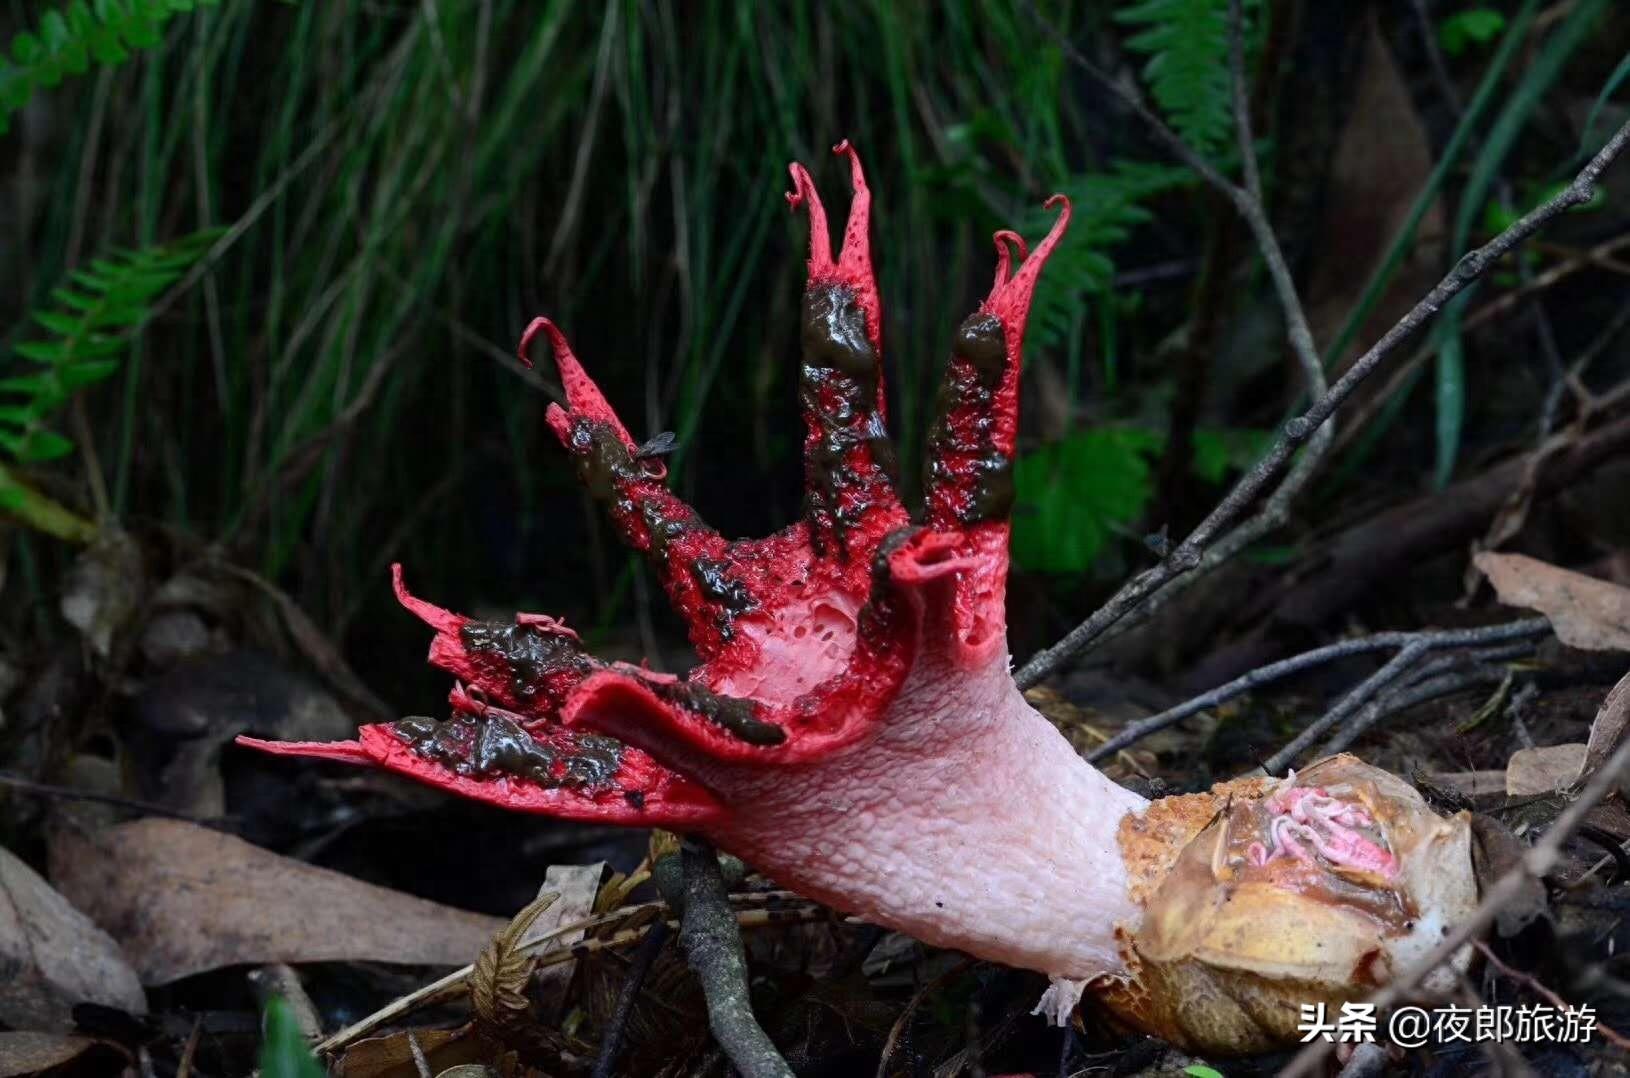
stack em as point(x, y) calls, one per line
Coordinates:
point(1535, 863)
point(1495, 308)
point(1429, 689)
point(183, 1067)
point(146, 808)
point(1356, 698)
point(1529, 981)
point(1461, 673)
point(1513, 512)
point(452, 985)
point(1435, 638)
point(1253, 209)
point(897, 1030)
point(1249, 203)
point(1187, 556)
point(1348, 708)
point(611, 1042)
point(712, 942)
point(421, 1065)
point(1515, 706)
point(1440, 72)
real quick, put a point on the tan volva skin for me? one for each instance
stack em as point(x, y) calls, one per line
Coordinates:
point(1231, 946)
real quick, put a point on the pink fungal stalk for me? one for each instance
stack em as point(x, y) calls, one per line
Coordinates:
point(853, 730)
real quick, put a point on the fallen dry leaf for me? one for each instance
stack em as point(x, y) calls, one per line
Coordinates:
point(1496, 854)
point(1585, 612)
point(1607, 728)
point(184, 718)
point(53, 956)
point(1382, 161)
point(577, 886)
point(182, 899)
point(391, 1056)
point(1531, 772)
point(104, 589)
point(314, 645)
point(30, 1053)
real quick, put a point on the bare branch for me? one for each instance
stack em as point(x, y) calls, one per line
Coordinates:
point(712, 942)
point(1249, 203)
point(1433, 639)
point(1347, 705)
point(1251, 206)
point(1419, 691)
point(452, 985)
point(1189, 554)
point(611, 1042)
point(1431, 681)
point(1532, 983)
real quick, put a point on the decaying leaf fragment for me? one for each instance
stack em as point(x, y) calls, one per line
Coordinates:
point(103, 589)
point(391, 1056)
point(181, 899)
point(52, 956)
point(1608, 728)
point(1548, 768)
point(577, 886)
point(26, 1053)
point(1542, 769)
point(1585, 612)
point(498, 982)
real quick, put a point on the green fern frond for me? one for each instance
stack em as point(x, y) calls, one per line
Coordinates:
point(1187, 45)
point(1106, 208)
point(1075, 494)
point(72, 38)
point(89, 326)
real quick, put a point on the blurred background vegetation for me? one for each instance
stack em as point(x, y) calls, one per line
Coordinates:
point(264, 266)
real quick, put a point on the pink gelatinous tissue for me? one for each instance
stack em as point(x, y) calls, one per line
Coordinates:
point(853, 730)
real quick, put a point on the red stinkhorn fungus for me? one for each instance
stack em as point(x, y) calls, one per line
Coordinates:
point(854, 731)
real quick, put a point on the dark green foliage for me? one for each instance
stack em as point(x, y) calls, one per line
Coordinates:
point(1463, 28)
point(1541, 76)
point(72, 38)
point(91, 322)
point(406, 193)
point(1076, 494)
point(283, 1052)
point(406, 190)
point(1108, 206)
point(1073, 495)
point(1187, 45)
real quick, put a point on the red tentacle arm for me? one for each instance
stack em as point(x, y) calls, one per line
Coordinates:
point(505, 743)
point(614, 784)
point(849, 462)
point(647, 516)
point(969, 480)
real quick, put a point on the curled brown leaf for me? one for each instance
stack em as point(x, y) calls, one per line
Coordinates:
point(498, 981)
point(1585, 612)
